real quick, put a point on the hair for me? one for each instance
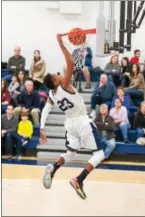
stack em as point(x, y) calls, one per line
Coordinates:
point(125, 58)
point(23, 72)
point(137, 50)
point(121, 88)
point(48, 82)
point(29, 81)
point(104, 105)
point(119, 100)
point(5, 85)
point(142, 103)
point(138, 69)
point(14, 75)
point(10, 105)
point(113, 57)
point(24, 114)
point(36, 60)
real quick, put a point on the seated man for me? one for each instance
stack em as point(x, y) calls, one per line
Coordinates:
point(105, 125)
point(9, 126)
point(103, 93)
point(15, 63)
point(139, 121)
point(120, 116)
point(29, 101)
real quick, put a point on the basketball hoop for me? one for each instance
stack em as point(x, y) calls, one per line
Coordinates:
point(76, 40)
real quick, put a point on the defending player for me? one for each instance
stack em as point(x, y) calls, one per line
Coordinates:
point(80, 130)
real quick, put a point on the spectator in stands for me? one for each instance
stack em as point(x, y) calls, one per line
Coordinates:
point(113, 70)
point(83, 62)
point(15, 63)
point(5, 96)
point(139, 121)
point(21, 79)
point(37, 70)
point(125, 99)
point(29, 102)
point(137, 84)
point(125, 72)
point(24, 133)
point(87, 66)
point(103, 93)
point(13, 86)
point(135, 59)
point(143, 72)
point(106, 125)
point(120, 116)
point(9, 126)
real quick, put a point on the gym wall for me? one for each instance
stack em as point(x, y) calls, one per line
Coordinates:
point(32, 25)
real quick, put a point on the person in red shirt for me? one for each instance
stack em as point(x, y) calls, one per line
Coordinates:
point(135, 59)
point(5, 96)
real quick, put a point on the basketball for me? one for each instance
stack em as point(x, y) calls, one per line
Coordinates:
point(76, 36)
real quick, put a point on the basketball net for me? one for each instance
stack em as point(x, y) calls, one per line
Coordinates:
point(77, 43)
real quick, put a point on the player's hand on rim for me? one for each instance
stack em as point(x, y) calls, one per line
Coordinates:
point(43, 138)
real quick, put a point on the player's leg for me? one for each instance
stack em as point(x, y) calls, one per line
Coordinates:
point(72, 145)
point(91, 141)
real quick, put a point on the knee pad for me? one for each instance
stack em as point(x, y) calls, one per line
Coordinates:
point(68, 156)
point(97, 157)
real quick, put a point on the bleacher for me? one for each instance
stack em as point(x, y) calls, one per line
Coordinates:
point(55, 131)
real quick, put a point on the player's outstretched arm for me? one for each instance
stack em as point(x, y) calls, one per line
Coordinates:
point(46, 110)
point(69, 62)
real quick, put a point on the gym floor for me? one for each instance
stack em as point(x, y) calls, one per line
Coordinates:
point(115, 188)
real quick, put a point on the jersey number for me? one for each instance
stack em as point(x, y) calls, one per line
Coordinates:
point(65, 104)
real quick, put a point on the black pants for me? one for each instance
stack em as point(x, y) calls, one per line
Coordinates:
point(7, 143)
point(37, 85)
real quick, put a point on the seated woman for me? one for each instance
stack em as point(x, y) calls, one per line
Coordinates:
point(113, 70)
point(125, 72)
point(125, 99)
point(136, 88)
point(5, 96)
point(120, 116)
point(37, 70)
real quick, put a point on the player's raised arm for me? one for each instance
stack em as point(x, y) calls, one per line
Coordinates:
point(46, 110)
point(69, 62)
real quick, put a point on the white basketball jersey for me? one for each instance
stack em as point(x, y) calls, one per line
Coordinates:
point(72, 104)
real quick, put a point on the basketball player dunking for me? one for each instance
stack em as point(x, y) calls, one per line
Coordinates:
point(80, 130)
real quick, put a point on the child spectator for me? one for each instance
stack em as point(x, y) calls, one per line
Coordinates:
point(5, 96)
point(135, 59)
point(120, 116)
point(13, 86)
point(24, 133)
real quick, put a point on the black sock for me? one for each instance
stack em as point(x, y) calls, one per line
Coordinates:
point(83, 175)
point(56, 167)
